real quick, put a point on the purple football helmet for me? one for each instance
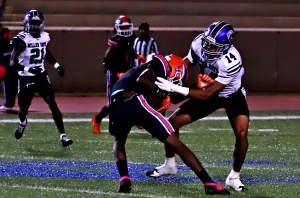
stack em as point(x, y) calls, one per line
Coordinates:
point(216, 40)
point(34, 22)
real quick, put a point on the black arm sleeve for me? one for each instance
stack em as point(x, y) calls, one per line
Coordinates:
point(18, 44)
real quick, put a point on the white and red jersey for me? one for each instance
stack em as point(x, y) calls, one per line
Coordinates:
point(227, 69)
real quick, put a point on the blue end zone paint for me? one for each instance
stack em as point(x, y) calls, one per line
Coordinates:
point(108, 171)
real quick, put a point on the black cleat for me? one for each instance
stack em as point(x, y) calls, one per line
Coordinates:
point(20, 130)
point(65, 140)
point(125, 185)
point(215, 189)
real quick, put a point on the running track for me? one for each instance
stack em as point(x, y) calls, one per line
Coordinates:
point(94, 104)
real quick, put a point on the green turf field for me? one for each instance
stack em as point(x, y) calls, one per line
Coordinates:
point(38, 166)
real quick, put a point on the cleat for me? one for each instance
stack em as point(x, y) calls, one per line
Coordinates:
point(215, 189)
point(65, 140)
point(95, 126)
point(234, 183)
point(164, 169)
point(125, 185)
point(20, 130)
point(4, 108)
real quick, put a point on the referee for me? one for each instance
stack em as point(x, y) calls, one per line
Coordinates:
point(144, 44)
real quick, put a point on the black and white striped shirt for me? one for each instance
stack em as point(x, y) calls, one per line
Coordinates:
point(145, 47)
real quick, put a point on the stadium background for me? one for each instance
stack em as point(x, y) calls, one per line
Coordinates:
point(268, 36)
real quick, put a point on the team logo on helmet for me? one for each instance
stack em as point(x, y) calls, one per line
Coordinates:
point(230, 36)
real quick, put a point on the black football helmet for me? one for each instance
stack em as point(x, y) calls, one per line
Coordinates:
point(34, 22)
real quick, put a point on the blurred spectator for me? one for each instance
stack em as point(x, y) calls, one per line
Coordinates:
point(10, 81)
point(144, 44)
point(2, 9)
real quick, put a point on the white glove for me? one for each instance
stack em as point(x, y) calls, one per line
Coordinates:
point(171, 87)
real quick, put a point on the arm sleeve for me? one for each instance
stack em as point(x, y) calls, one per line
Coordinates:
point(18, 44)
point(112, 43)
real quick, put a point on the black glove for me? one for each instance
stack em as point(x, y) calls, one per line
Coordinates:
point(61, 71)
point(35, 70)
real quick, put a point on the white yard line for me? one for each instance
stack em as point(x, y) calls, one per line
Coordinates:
point(212, 118)
point(256, 130)
point(95, 192)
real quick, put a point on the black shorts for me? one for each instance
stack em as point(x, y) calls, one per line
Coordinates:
point(126, 113)
point(29, 85)
point(235, 104)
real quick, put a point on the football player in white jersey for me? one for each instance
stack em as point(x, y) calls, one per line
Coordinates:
point(220, 86)
point(30, 48)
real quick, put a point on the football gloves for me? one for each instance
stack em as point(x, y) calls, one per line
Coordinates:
point(120, 74)
point(203, 81)
point(165, 104)
point(142, 59)
point(171, 87)
point(33, 70)
point(61, 71)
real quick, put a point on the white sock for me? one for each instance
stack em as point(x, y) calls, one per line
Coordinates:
point(170, 161)
point(234, 174)
point(24, 122)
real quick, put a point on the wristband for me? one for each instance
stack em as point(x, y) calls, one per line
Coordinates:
point(56, 65)
point(26, 69)
point(182, 90)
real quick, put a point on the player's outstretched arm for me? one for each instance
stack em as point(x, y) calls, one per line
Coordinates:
point(201, 94)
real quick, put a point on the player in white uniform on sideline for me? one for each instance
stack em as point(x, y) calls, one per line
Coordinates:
point(220, 86)
point(30, 48)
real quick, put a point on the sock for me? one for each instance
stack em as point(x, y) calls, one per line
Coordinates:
point(122, 168)
point(170, 161)
point(102, 114)
point(61, 135)
point(234, 174)
point(204, 177)
point(24, 122)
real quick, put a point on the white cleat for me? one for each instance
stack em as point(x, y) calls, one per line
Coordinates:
point(163, 170)
point(4, 108)
point(235, 183)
